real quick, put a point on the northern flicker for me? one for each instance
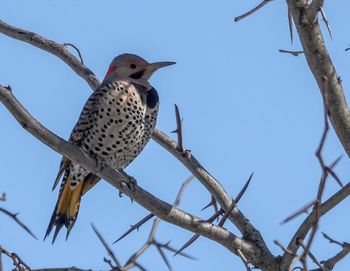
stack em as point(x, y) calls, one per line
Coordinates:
point(114, 126)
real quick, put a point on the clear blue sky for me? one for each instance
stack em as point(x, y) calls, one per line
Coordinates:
point(245, 106)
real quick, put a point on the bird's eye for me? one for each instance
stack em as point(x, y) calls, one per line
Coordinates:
point(132, 66)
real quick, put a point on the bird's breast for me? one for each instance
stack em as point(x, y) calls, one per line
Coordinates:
point(122, 125)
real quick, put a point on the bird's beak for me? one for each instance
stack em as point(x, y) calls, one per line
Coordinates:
point(157, 65)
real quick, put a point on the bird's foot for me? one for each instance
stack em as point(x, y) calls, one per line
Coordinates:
point(129, 185)
point(100, 165)
point(186, 153)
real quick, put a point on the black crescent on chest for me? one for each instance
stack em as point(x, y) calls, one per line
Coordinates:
point(149, 97)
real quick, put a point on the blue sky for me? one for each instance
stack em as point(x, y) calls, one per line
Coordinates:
point(246, 107)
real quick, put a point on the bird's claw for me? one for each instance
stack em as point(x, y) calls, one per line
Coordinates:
point(129, 185)
point(99, 165)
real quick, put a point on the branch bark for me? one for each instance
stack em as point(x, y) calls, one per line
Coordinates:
point(53, 48)
point(158, 207)
point(322, 68)
point(307, 224)
point(262, 256)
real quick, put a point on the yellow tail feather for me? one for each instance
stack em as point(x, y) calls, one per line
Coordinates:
point(74, 202)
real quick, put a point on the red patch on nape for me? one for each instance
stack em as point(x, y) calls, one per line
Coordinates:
point(111, 69)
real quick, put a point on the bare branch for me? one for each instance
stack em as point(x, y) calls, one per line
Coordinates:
point(250, 12)
point(314, 8)
point(149, 216)
point(279, 244)
point(262, 256)
point(19, 222)
point(212, 203)
point(135, 227)
point(158, 207)
point(331, 240)
point(52, 47)
point(302, 210)
point(182, 190)
point(290, 25)
point(244, 189)
point(324, 18)
point(196, 236)
point(109, 250)
point(220, 195)
point(310, 254)
point(178, 131)
point(235, 201)
point(293, 53)
point(76, 49)
point(331, 262)
point(210, 183)
point(322, 67)
point(307, 224)
point(18, 263)
point(132, 261)
point(244, 260)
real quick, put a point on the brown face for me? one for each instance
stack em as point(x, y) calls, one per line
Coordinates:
point(133, 68)
point(127, 65)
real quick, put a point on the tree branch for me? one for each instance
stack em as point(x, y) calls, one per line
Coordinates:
point(322, 68)
point(250, 12)
point(52, 47)
point(262, 257)
point(158, 207)
point(309, 222)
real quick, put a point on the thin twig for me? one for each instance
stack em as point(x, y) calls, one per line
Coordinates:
point(324, 18)
point(109, 250)
point(250, 12)
point(135, 227)
point(151, 240)
point(311, 255)
point(297, 213)
point(244, 260)
point(235, 201)
point(293, 53)
point(179, 132)
point(76, 48)
point(196, 236)
point(284, 249)
point(19, 264)
point(331, 240)
point(290, 25)
point(19, 222)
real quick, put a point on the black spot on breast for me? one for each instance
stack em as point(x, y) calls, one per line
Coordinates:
point(152, 98)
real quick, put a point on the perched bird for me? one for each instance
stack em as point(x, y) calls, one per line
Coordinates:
point(114, 126)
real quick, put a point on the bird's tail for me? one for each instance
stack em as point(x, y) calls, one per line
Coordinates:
point(67, 206)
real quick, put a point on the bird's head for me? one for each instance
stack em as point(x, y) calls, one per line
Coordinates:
point(133, 68)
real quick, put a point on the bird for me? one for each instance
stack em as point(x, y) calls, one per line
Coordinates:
point(114, 126)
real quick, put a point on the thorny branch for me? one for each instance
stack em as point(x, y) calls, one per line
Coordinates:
point(262, 257)
point(178, 131)
point(133, 260)
point(160, 208)
point(217, 214)
point(321, 66)
point(250, 12)
point(293, 53)
point(331, 262)
point(19, 265)
point(19, 222)
point(76, 49)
